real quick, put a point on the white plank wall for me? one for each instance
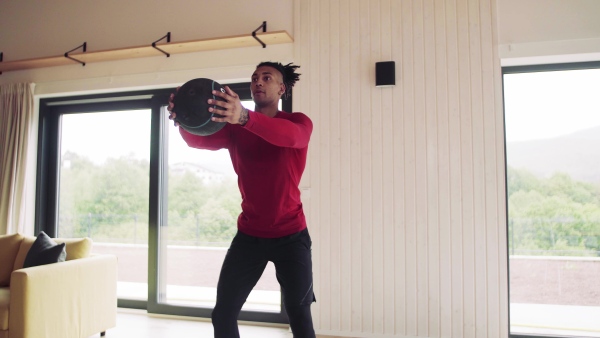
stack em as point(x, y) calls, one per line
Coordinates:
point(404, 189)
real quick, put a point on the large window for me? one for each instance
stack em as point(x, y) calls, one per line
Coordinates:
point(113, 168)
point(552, 116)
point(103, 188)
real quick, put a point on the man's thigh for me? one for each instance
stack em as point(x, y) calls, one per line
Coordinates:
point(293, 266)
point(242, 268)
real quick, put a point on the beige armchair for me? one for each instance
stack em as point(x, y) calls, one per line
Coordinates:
point(76, 298)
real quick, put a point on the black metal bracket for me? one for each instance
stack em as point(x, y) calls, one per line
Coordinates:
point(84, 50)
point(264, 29)
point(168, 36)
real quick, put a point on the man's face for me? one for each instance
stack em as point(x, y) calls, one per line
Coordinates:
point(267, 86)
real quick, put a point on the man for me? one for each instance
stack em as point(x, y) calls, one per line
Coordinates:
point(268, 149)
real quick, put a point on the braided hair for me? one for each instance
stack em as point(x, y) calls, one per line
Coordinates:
point(288, 72)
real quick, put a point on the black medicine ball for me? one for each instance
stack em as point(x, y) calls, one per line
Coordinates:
point(191, 106)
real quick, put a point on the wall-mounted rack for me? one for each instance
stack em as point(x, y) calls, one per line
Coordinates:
point(248, 40)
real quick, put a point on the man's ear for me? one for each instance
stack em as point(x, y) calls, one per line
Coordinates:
point(281, 89)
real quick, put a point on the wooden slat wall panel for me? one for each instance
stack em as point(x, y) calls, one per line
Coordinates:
point(398, 121)
point(408, 222)
point(431, 209)
point(354, 164)
point(387, 231)
point(405, 184)
point(376, 177)
point(443, 152)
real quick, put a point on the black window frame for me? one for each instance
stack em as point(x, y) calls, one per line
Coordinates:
point(47, 180)
point(531, 69)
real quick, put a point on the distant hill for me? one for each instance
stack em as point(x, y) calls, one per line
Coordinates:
point(576, 154)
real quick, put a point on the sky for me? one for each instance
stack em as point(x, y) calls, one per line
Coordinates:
point(550, 104)
point(127, 133)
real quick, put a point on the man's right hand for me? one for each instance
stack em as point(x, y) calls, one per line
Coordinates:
point(172, 114)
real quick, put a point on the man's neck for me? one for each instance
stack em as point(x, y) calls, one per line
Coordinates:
point(269, 111)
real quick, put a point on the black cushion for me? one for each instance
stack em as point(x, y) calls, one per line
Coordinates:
point(45, 251)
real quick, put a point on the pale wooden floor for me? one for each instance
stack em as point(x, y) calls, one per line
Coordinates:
point(138, 324)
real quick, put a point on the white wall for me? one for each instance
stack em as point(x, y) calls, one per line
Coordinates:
point(406, 183)
point(34, 29)
point(404, 188)
point(548, 31)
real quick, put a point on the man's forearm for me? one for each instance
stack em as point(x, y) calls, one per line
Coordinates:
point(243, 116)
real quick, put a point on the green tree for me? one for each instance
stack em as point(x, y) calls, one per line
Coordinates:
point(76, 187)
point(202, 213)
point(521, 180)
point(558, 215)
point(187, 194)
point(111, 198)
point(110, 201)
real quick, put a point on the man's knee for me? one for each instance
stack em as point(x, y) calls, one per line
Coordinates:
point(223, 316)
point(301, 321)
point(299, 311)
point(224, 323)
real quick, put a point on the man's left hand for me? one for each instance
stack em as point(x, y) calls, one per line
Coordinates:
point(232, 107)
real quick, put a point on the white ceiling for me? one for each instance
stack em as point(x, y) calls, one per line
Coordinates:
point(526, 21)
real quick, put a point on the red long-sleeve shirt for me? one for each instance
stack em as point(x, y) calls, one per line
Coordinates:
point(269, 156)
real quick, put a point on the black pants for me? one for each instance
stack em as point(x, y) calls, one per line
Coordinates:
point(245, 262)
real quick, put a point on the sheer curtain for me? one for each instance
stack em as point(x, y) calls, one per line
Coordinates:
point(16, 128)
